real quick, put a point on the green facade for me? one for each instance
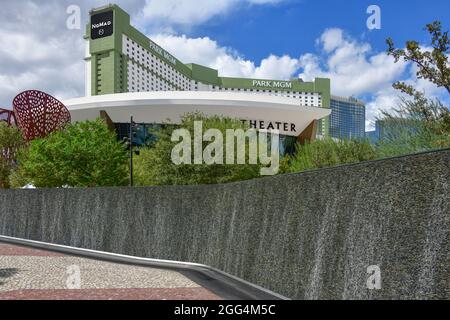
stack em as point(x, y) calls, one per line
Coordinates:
point(109, 66)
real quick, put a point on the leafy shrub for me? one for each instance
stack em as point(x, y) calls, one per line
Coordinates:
point(415, 125)
point(10, 142)
point(154, 166)
point(328, 152)
point(84, 154)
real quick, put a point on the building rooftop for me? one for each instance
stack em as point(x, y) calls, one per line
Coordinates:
point(348, 100)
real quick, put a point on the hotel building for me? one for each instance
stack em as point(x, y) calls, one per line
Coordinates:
point(122, 64)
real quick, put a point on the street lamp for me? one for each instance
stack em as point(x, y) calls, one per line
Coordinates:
point(134, 128)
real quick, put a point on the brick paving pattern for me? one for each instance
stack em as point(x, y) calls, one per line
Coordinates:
point(27, 273)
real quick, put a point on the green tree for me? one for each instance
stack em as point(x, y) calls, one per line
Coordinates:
point(84, 154)
point(419, 123)
point(326, 153)
point(431, 65)
point(154, 166)
point(10, 142)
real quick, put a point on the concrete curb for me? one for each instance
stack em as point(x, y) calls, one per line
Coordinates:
point(221, 283)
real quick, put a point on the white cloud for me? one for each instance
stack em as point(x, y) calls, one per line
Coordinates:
point(331, 39)
point(355, 70)
point(385, 99)
point(352, 66)
point(164, 14)
point(37, 55)
point(208, 52)
point(274, 67)
point(388, 97)
point(39, 52)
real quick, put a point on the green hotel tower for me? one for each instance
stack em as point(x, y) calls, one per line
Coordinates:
point(119, 59)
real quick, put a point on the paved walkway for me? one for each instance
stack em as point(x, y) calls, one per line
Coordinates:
point(27, 273)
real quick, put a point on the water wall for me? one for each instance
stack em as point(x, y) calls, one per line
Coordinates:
point(306, 236)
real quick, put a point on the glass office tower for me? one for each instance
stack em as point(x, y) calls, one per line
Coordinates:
point(348, 118)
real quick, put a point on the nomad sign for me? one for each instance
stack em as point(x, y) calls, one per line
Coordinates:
point(102, 25)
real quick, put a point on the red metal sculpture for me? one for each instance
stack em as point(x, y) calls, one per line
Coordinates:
point(38, 114)
point(7, 116)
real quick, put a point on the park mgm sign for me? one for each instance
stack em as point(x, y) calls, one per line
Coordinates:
point(271, 84)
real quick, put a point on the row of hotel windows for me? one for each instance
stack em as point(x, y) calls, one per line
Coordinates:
point(158, 85)
point(145, 58)
point(305, 95)
point(137, 72)
point(314, 99)
point(146, 81)
point(140, 79)
point(167, 78)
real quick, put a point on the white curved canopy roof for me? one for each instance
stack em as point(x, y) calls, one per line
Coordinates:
point(169, 106)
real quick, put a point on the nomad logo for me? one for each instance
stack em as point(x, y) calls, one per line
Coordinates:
point(258, 146)
point(102, 25)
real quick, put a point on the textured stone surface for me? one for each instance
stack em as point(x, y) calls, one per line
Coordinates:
point(307, 236)
point(52, 273)
point(27, 273)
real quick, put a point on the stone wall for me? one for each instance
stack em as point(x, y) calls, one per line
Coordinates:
point(310, 235)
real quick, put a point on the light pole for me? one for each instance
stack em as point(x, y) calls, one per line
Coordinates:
point(131, 135)
point(131, 150)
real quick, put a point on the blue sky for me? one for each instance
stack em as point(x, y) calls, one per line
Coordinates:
point(277, 39)
point(292, 27)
